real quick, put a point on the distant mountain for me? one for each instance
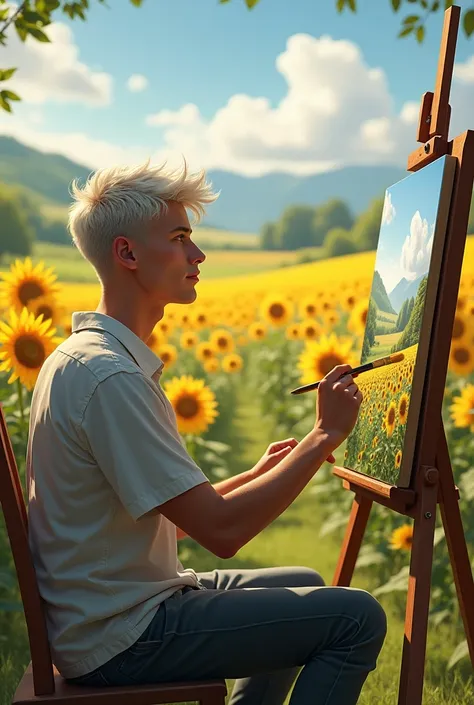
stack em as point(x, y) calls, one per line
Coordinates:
point(244, 204)
point(404, 290)
point(379, 294)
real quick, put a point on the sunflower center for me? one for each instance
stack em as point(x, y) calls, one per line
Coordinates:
point(403, 407)
point(46, 310)
point(29, 351)
point(165, 356)
point(363, 316)
point(458, 328)
point(222, 342)
point(328, 361)
point(207, 352)
point(277, 311)
point(310, 309)
point(391, 416)
point(461, 355)
point(29, 290)
point(201, 318)
point(187, 407)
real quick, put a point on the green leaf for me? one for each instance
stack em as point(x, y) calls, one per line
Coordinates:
point(468, 22)
point(4, 104)
point(137, 3)
point(5, 74)
point(396, 582)
point(371, 557)
point(340, 5)
point(447, 4)
point(37, 33)
point(396, 4)
point(10, 606)
point(420, 34)
point(411, 19)
point(9, 95)
point(406, 31)
point(333, 523)
point(251, 3)
point(438, 535)
point(461, 651)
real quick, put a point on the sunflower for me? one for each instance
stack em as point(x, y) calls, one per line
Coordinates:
point(205, 351)
point(26, 343)
point(277, 309)
point(167, 354)
point(402, 538)
point(232, 363)
point(461, 358)
point(47, 306)
point(293, 332)
point(155, 341)
point(257, 330)
point(309, 330)
point(24, 282)
point(193, 402)
point(319, 358)
point(188, 339)
point(398, 458)
point(200, 318)
point(390, 418)
point(242, 340)
point(164, 327)
point(358, 318)
point(307, 308)
point(462, 408)
point(211, 365)
point(403, 408)
point(222, 340)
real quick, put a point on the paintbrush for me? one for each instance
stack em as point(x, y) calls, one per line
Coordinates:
point(396, 357)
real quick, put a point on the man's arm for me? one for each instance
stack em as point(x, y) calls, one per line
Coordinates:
point(222, 488)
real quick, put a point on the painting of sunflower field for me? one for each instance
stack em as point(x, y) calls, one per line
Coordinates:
point(399, 319)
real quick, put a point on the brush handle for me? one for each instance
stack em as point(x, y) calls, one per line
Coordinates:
point(314, 385)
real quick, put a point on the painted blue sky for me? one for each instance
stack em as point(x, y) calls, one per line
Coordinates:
point(290, 86)
point(408, 225)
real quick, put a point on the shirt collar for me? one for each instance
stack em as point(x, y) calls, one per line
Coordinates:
point(142, 354)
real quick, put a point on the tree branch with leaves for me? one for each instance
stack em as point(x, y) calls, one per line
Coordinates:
point(31, 18)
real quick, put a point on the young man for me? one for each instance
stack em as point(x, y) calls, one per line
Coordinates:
point(110, 484)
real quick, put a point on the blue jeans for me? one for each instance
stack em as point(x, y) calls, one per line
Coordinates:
point(263, 627)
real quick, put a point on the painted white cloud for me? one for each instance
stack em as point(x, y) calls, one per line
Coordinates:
point(52, 71)
point(388, 212)
point(137, 83)
point(416, 250)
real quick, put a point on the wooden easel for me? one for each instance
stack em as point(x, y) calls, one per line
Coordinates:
point(432, 476)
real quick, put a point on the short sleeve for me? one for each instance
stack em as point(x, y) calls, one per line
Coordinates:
point(135, 445)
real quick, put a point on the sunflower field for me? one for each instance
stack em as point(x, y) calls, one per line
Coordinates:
point(270, 332)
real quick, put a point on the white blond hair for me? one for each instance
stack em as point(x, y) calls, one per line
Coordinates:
point(120, 200)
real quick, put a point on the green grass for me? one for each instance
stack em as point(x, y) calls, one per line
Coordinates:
point(70, 266)
point(293, 539)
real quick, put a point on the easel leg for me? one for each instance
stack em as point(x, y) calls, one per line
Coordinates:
point(418, 597)
point(455, 539)
point(360, 511)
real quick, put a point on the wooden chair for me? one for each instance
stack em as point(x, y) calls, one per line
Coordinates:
point(41, 682)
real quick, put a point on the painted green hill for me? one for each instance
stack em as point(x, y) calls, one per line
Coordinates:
point(379, 294)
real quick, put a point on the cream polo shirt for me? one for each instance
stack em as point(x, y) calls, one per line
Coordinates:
point(103, 450)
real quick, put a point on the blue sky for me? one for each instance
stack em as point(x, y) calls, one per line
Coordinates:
point(408, 225)
point(346, 90)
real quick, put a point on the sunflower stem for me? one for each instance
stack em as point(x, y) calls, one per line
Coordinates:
point(22, 407)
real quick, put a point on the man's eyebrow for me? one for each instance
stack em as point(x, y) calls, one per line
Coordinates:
point(182, 229)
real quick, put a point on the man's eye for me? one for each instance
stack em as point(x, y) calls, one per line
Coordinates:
point(180, 236)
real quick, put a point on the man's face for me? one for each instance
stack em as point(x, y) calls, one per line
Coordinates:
point(166, 257)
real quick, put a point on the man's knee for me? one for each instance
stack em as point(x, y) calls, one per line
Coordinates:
point(307, 577)
point(371, 615)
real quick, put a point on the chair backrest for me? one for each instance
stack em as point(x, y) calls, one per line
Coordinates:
point(16, 520)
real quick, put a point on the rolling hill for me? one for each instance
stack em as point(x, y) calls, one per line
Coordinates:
point(244, 204)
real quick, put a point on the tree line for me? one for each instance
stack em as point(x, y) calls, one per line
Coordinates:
point(331, 226)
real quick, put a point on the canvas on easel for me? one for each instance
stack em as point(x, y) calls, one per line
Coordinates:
point(427, 480)
point(402, 298)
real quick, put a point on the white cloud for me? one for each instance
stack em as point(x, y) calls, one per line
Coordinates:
point(52, 71)
point(388, 213)
point(465, 72)
point(416, 250)
point(137, 83)
point(336, 111)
